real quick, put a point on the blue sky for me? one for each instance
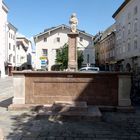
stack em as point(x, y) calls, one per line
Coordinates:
point(33, 16)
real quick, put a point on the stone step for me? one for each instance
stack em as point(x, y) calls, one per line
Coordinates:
point(63, 106)
point(91, 114)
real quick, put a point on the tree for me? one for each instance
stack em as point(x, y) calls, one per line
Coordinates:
point(80, 58)
point(62, 57)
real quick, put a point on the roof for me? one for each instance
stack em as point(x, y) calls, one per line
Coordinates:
point(98, 37)
point(12, 26)
point(108, 31)
point(120, 8)
point(4, 6)
point(22, 44)
point(61, 26)
point(20, 36)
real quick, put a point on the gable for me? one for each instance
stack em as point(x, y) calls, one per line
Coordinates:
point(59, 29)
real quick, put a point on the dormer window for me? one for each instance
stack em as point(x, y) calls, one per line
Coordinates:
point(81, 39)
point(45, 39)
point(58, 39)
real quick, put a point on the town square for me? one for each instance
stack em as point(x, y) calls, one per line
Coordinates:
point(70, 71)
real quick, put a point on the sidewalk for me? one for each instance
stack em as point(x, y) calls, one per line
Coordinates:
point(19, 125)
point(6, 88)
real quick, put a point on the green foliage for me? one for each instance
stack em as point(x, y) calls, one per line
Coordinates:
point(62, 57)
point(80, 58)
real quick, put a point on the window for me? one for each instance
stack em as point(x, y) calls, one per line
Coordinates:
point(58, 39)
point(13, 37)
point(57, 51)
point(129, 26)
point(45, 39)
point(81, 39)
point(135, 44)
point(123, 32)
point(87, 58)
point(129, 46)
point(44, 52)
point(10, 57)
point(135, 10)
point(13, 59)
point(18, 47)
point(135, 25)
point(13, 47)
point(9, 46)
point(129, 16)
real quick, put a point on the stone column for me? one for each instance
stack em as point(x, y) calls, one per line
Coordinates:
point(124, 90)
point(19, 88)
point(72, 51)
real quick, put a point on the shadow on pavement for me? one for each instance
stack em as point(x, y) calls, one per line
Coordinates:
point(6, 103)
point(115, 126)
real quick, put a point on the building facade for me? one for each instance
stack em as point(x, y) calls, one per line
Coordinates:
point(105, 49)
point(97, 39)
point(48, 43)
point(127, 46)
point(23, 53)
point(3, 25)
point(10, 59)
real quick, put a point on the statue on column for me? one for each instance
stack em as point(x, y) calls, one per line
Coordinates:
point(73, 22)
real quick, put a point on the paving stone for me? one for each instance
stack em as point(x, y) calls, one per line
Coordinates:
point(51, 138)
point(69, 138)
point(28, 139)
point(59, 138)
point(13, 137)
point(78, 139)
point(41, 138)
point(87, 138)
point(115, 126)
point(32, 135)
point(44, 133)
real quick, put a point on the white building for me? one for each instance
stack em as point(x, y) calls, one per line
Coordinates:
point(23, 53)
point(49, 41)
point(33, 60)
point(128, 35)
point(10, 59)
point(3, 24)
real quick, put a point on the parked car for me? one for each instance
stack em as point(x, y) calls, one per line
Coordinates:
point(90, 69)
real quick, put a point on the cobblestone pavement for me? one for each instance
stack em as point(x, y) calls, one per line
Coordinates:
point(19, 125)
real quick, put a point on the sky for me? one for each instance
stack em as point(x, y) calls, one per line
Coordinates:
point(31, 17)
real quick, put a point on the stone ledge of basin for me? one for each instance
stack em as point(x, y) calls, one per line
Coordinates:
point(70, 72)
point(22, 107)
point(126, 109)
point(107, 108)
point(123, 109)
